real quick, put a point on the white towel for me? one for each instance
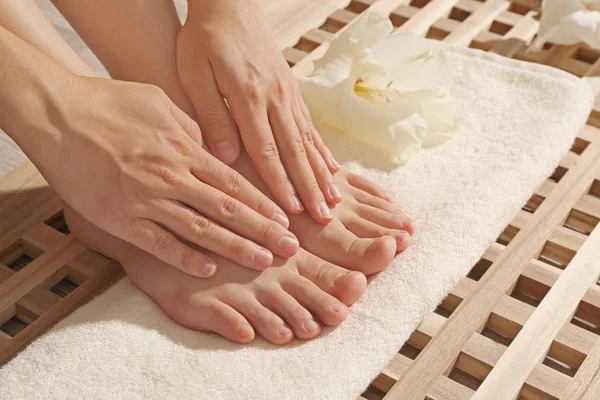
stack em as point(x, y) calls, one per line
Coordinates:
point(520, 119)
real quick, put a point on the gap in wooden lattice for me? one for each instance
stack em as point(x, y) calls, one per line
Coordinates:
point(533, 203)
point(409, 351)
point(306, 45)
point(529, 392)
point(500, 330)
point(479, 269)
point(372, 393)
point(587, 317)
point(581, 222)
point(564, 360)
point(507, 235)
point(458, 15)
point(559, 172)
point(556, 255)
point(595, 188)
point(64, 281)
point(17, 256)
point(500, 28)
point(579, 146)
point(587, 55)
point(519, 7)
point(447, 307)
point(332, 25)
point(419, 3)
point(462, 373)
point(529, 291)
point(58, 222)
point(19, 320)
point(357, 6)
point(436, 33)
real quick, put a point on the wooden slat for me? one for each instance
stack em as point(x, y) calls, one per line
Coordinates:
point(477, 22)
point(586, 384)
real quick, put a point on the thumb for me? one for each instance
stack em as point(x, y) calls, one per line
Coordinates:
point(187, 123)
point(218, 127)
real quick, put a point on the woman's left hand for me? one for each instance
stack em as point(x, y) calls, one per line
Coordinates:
point(236, 77)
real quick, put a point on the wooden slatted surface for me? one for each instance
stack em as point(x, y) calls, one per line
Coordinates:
point(524, 324)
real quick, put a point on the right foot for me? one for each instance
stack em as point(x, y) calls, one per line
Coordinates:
point(278, 303)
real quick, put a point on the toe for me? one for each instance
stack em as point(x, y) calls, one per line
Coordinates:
point(326, 307)
point(366, 185)
point(208, 314)
point(269, 325)
point(368, 199)
point(363, 228)
point(403, 241)
point(289, 308)
point(373, 255)
point(381, 217)
point(347, 286)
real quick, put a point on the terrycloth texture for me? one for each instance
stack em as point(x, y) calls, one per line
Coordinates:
point(520, 119)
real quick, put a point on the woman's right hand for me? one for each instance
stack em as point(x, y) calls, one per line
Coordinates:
point(132, 163)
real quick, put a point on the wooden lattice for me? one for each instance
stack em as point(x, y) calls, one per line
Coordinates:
point(524, 324)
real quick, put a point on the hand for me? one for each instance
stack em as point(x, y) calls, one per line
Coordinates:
point(132, 163)
point(234, 74)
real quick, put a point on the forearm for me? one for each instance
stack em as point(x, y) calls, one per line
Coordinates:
point(135, 40)
point(25, 19)
point(31, 84)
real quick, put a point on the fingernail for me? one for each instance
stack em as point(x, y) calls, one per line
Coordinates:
point(324, 210)
point(281, 219)
point(310, 325)
point(225, 151)
point(334, 162)
point(337, 307)
point(262, 257)
point(334, 192)
point(289, 244)
point(340, 280)
point(208, 268)
point(284, 331)
point(246, 331)
point(296, 203)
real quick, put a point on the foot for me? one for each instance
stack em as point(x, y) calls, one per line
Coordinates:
point(291, 299)
point(367, 229)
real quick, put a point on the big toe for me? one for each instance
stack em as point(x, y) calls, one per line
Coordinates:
point(373, 255)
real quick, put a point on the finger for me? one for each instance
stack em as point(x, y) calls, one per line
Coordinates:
point(230, 182)
point(163, 245)
point(317, 163)
point(293, 154)
point(332, 163)
point(262, 149)
point(237, 217)
point(200, 230)
point(370, 187)
point(218, 127)
point(189, 126)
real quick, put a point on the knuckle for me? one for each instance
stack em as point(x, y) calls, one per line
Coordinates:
point(236, 245)
point(217, 121)
point(164, 243)
point(252, 92)
point(266, 230)
point(186, 258)
point(323, 271)
point(168, 175)
point(201, 225)
point(324, 171)
point(229, 207)
point(260, 204)
point(313, 188)
point(270, 152)
point(234, 183)
point(307, 137)
point(297, 147)
point(280, 88)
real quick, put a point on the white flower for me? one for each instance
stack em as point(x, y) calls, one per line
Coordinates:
point(384, 90)
point(568, 22)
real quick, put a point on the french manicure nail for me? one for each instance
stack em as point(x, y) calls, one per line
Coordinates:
point(334, 192)
point(296, 203)
point(262, 257)
point(310, 325)
point(284, 331)
point(281, 219)
point(225, 151)
point(289, 244)
point(324, 210)
point(208, 268)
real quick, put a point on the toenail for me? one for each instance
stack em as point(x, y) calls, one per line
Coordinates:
point(324, 210)
point(334, 192)
point(310, 325)
point(208, 268)
point(289, 244)
point(296, 203)
point(262, 257)
point(284, 331)
point(340, 280)
point(246, 331)
point(281, 219)
point(337, 307)
point(407, 221)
